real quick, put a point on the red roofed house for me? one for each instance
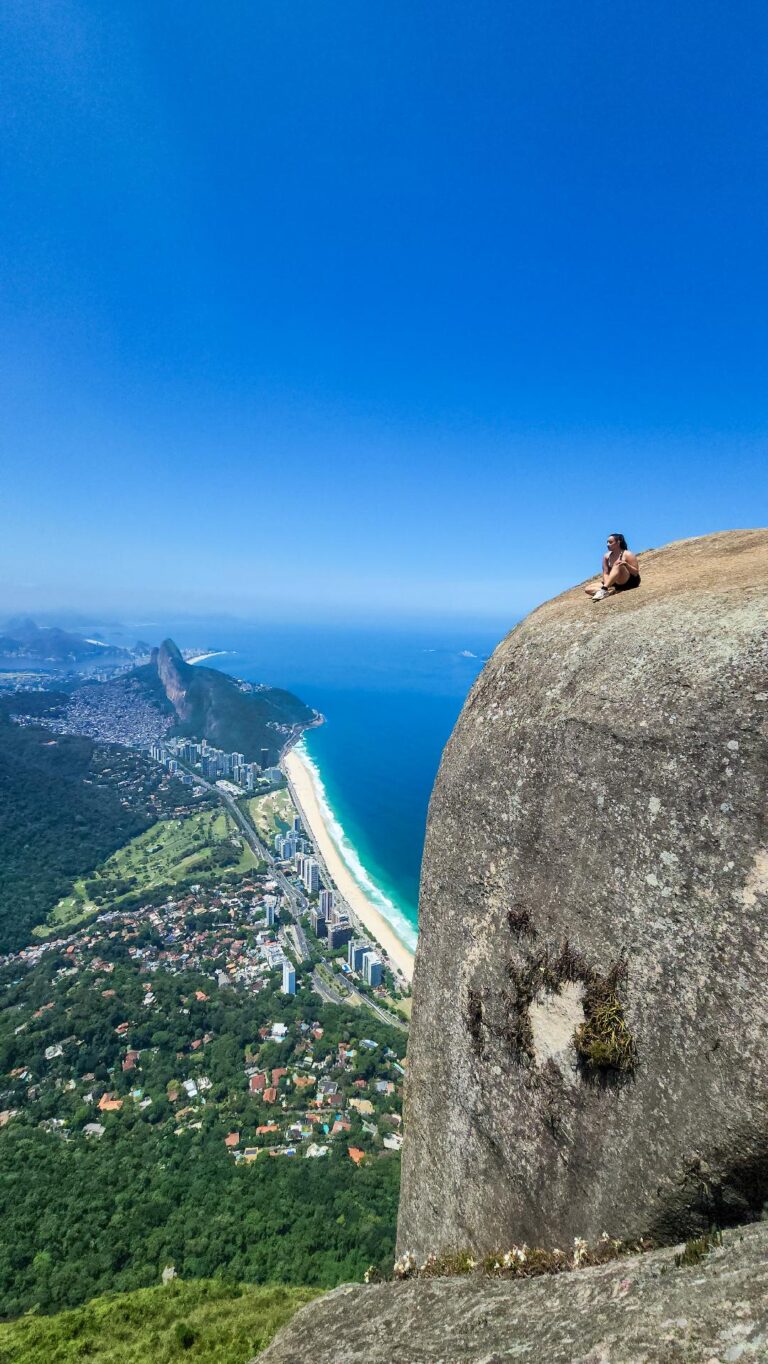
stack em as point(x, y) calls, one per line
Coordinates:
point(355, 1154)
point(340, 1125)
point(267, 1127)
point(200, 996)
point(131, 1057)
point(258, 1082)
point(232, 1139)
point(109, 1104)
point(277, 1074)
point(270, 1095)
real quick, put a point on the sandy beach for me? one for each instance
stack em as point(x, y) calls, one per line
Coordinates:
point(303, 791)
point(200, 658)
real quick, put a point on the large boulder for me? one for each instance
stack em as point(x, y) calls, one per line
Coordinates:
point(645, 1310)
point(589, 1040)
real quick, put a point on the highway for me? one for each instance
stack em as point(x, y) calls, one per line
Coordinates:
point(262, 852)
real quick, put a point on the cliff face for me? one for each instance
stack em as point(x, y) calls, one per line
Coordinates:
point(211, 705)
point(589, 1040)
point(173, 673)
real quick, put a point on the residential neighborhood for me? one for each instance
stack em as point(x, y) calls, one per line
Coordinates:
point(158, 988)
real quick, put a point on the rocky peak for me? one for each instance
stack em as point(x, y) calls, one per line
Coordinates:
point(589, 1038)
point(173, 673)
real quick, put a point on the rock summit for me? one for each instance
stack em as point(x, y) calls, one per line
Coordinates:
point(589, 1040)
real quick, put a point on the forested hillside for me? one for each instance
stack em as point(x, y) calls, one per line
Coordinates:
point(66, 803)
point(206, 1320)
point(138, 1128)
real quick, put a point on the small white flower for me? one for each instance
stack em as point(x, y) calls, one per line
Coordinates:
point(405, 1265)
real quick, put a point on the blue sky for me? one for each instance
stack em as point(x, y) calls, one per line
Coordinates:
point(379, 309)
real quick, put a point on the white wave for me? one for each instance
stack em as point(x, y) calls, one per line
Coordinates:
point(349, 855)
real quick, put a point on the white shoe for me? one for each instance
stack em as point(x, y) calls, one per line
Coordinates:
point(600, 593)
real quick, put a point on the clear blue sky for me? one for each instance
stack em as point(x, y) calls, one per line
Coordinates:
point(375, 307)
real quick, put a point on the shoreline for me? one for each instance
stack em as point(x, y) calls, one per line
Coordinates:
point(302, 788)
point(200, 658)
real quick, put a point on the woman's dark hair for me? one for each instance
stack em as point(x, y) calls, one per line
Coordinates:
point(621, 542)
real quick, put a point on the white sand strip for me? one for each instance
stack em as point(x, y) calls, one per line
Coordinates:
point(200, 658)
point(305, 795)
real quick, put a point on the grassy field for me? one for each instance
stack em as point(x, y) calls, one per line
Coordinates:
point(204, 1321)
point(272, 814)
point(171, 851)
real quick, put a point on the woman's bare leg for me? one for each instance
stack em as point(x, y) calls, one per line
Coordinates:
point(618, 574)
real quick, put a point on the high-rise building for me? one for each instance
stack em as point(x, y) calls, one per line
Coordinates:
point(326, 902)
point(373, 971)
point(339, 935)
point(311, 875)
point(289, 979)
point(319, 923)
point(269, 916)
point(238, 759)
point(355, 954)
point(264, 757)
point(296, 824)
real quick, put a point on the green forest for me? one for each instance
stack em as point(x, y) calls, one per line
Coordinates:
point(66, 803)
point(80, 1216)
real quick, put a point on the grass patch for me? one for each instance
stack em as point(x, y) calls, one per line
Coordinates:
point(603, 1041)
point(199, 845)
point(698, 1249)
point(520, 1262)
point(201, 1320)
point(272, 814)
point(604, 1044)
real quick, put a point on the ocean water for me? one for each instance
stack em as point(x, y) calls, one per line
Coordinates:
point(390, 699)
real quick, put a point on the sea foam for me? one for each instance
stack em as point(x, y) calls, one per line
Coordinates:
point(387, 907)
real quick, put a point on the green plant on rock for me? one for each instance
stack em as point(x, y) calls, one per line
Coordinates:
point(604, 1044)
point(603, 1041)
point(698, 1248)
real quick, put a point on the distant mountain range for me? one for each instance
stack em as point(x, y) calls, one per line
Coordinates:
point(207, 704)
point(24, 638)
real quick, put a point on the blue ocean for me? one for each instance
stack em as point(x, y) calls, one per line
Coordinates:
point(390, 699)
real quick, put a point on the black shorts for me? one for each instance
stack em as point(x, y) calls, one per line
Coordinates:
point(632, 581)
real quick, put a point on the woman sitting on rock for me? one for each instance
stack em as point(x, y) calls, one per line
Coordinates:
point(621, 571)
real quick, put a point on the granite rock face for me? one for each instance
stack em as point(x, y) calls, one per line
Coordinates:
point(643, 1310)
point(589, 1039)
